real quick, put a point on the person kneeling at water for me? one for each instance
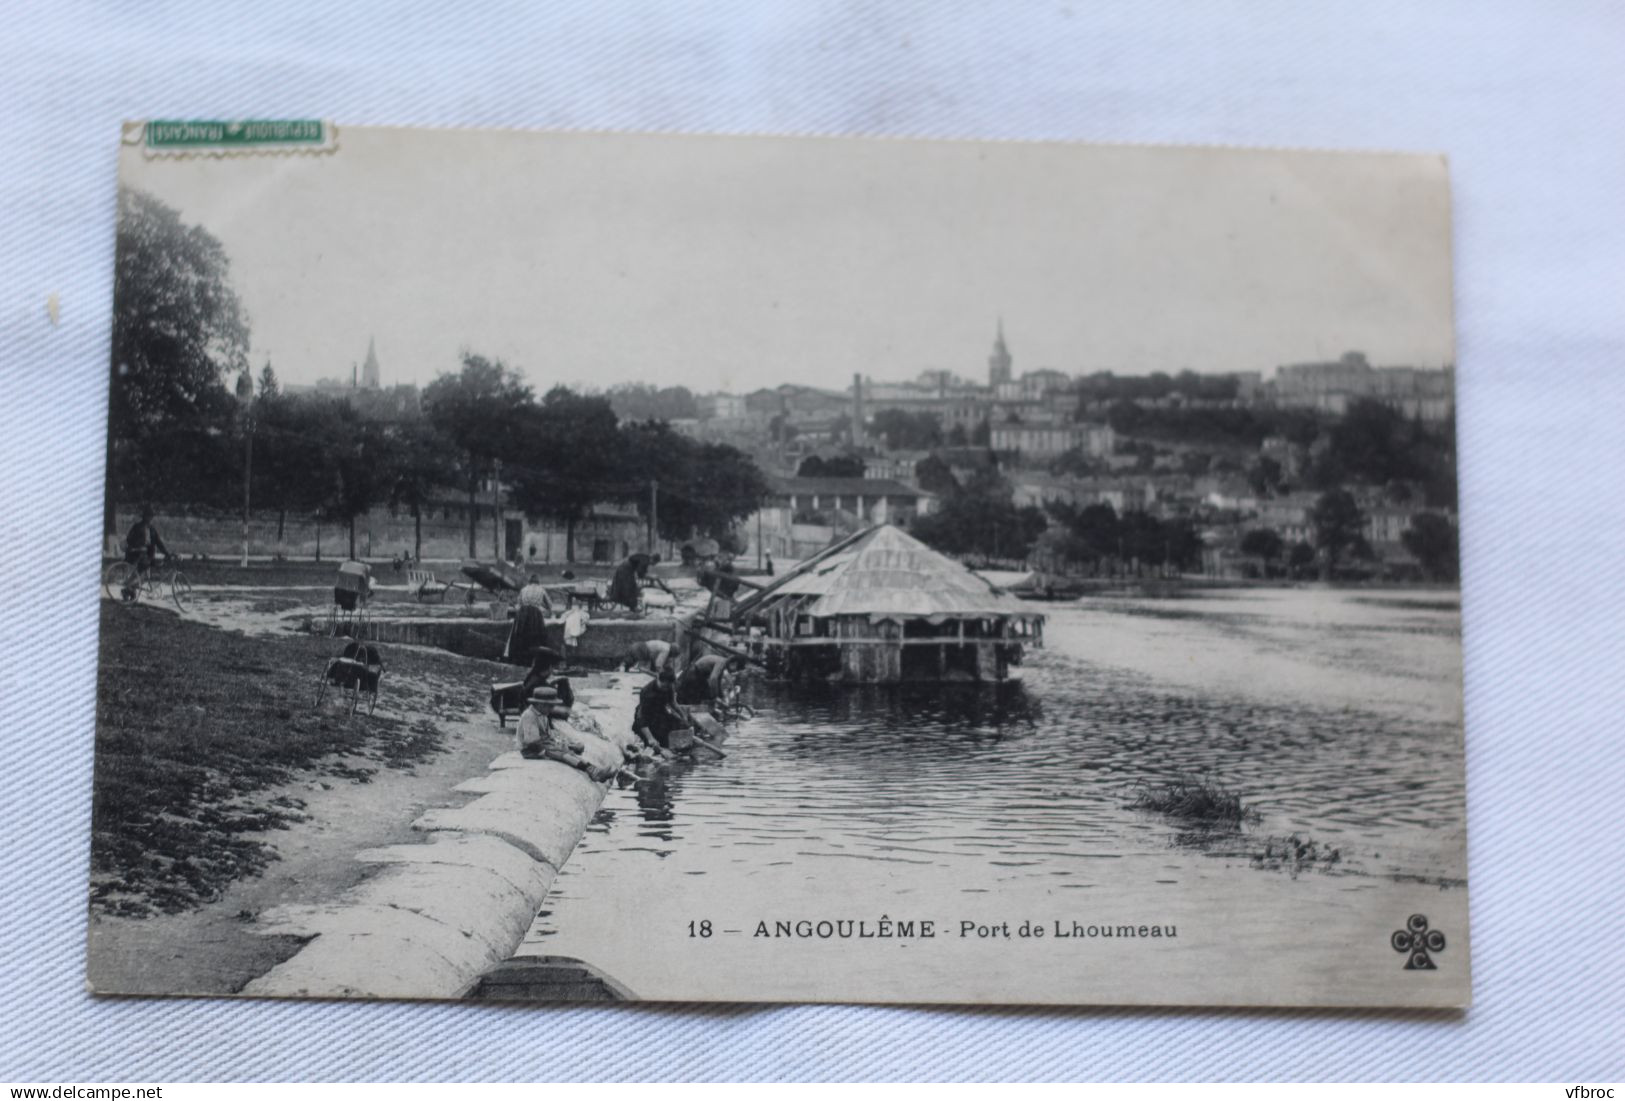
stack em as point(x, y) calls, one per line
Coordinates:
point(708, 679)
point(653, 654)
point(658, 717)
point(539, 738)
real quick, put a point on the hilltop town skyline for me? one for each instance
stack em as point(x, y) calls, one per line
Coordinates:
point(730, 265)
point(367, 372)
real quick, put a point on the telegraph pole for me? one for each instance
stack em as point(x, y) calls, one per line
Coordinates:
point(248, 477)
point(245, 396)
point(654, 512)
point(496, 513)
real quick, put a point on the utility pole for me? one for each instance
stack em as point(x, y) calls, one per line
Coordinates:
point(496, 513)
point(758, 537)
point(654, 512)
point(248, 477)
point(245, 396)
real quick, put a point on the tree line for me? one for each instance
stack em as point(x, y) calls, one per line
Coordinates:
point(1339, 529)
point(1106, 386)
point(177, 435)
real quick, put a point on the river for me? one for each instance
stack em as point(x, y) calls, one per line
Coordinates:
point(1334, 714)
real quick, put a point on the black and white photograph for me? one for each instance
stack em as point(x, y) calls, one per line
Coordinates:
point(574, 566)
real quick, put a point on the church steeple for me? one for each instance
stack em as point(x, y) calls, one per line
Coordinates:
point(998, 364)
point(369, 368)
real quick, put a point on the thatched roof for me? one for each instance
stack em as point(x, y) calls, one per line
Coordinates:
point(886, 573)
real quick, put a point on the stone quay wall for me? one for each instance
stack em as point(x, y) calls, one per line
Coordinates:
point(435, 916)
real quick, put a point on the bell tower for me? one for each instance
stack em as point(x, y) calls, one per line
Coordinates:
point(998, 364)
point(369, 368)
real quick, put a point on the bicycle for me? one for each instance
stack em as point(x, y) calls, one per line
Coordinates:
point(126, 582)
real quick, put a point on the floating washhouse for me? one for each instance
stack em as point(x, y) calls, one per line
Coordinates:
point(881, 607)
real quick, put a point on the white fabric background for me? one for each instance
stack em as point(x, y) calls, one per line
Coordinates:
point(1525, 99)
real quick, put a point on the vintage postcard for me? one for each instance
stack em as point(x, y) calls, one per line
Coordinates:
point(584, 566)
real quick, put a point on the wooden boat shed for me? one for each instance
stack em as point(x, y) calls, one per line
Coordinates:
point(881, 607)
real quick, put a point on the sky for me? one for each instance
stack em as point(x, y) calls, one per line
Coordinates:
point(732, 263)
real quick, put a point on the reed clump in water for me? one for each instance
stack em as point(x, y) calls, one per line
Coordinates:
point(1295, 854)
point(1196, 799)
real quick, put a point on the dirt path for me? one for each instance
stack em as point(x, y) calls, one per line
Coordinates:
point(216, 948)
point(430, 734)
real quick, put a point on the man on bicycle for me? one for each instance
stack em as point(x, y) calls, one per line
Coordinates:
point(142, 545)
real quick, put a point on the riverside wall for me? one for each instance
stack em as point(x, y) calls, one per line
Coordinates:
point(602, 647)
point(601, 540)
point(430, 918)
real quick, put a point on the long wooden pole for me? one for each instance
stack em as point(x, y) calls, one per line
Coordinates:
point(726, 649)
point(783, 578)
point(496, 512)
point(248, 477)
point(654, 513)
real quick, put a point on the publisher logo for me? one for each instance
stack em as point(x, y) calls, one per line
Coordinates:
point(1418, 942)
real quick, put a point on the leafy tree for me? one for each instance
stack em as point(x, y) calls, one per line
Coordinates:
point(290, 466)
point(178, 333)
point(1374, 444)
point(1149, 541)
point(1106, 386)
point(906, 431)
point(1094, 530)
point(704, 489)
point(423, 461)
point(364, 468)
point(1339, 526)
point(1432, 539)
point(1265, 476)
point(1125, 417)
point(1265, 544)
point(1143, 537)
point(1075, 462)
point(1218, 429)
point(958, 437)
point(1300, 558)
point(269, 389)
point(569, 457)
point(654, 451)
point(1208, 387)
point(1439, 485)
point(479, 410)
point(639, 401)
point(725, 486)
point(356, 461)
point(1097, 534)
point(1184, 543)
point(982, 434)
point(1195, 463)
point(838, 466)
point(935, 476)
point(982, 519)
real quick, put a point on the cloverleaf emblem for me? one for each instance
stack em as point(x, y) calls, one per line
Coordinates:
point(1418, 942)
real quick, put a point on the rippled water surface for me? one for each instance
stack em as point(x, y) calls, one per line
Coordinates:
point(1334, 715)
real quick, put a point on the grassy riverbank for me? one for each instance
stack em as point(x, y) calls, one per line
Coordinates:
point(196, 726)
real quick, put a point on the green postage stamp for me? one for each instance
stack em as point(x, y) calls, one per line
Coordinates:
point(220, 137)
